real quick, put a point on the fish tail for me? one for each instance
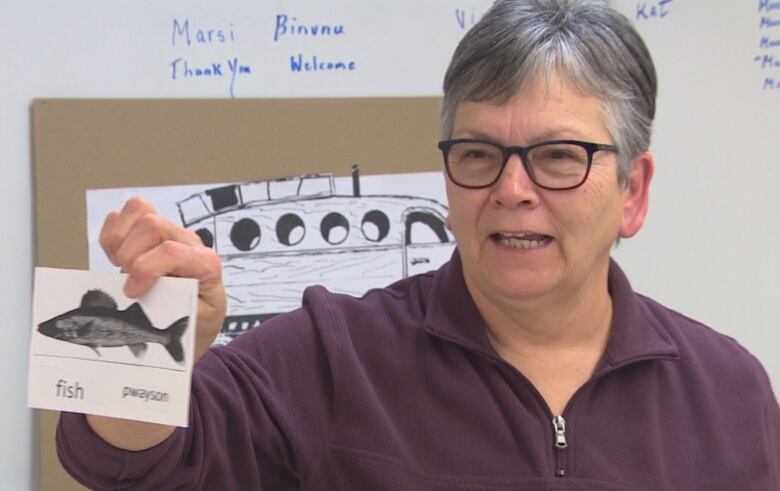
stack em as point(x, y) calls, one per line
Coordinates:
point(175, 333)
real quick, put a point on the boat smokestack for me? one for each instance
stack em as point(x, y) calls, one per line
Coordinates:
point(355, 180)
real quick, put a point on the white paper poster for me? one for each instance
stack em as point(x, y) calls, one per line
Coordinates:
point(276, 237)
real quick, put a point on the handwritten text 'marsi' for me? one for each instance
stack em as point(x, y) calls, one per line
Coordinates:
point(210, 35)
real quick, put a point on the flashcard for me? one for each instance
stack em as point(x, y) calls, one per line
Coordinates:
point(94, 350)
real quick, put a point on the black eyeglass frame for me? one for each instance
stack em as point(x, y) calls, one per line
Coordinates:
point(522, 152)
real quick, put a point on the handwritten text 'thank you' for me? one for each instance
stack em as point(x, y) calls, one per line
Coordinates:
point(186, 36)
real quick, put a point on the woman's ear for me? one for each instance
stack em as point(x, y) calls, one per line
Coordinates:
point(636, 194)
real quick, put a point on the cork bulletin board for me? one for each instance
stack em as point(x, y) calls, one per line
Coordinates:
point(81, 144)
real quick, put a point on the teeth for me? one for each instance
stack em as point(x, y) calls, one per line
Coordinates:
point(521, 244)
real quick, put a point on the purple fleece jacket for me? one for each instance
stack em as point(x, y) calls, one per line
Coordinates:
point(401, 390)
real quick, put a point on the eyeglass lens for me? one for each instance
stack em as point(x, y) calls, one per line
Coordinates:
point(553, 165)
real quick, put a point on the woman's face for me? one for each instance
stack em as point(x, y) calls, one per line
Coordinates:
point(518, 241)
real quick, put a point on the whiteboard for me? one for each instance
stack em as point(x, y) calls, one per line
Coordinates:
point(708, 249)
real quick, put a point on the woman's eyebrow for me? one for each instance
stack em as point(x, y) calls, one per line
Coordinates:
point(476, 134)
point(558, 133)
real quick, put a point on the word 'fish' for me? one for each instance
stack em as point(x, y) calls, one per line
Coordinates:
point(98, 323)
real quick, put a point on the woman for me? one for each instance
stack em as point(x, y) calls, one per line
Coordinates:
point(526, 362)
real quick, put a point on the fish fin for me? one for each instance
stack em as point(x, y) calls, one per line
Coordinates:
point(98, 298)
point(138, 316)
point(138, 349)
point(94, 348)
point(175, 333)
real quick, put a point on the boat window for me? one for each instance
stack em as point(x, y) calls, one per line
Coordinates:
point(206, 237)
point(290, 229)
point(334, 228)
point(375, 225)
point(425, 228)
point(224, 197)
point(245, 234)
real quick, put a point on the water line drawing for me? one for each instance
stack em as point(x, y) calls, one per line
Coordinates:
point(278, 236)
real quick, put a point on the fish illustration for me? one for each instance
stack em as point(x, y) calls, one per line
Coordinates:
point(98, 323)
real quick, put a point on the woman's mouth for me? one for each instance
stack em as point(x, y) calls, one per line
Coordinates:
point(521, 240)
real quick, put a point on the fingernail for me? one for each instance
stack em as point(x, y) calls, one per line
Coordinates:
point(131, 287)
point(130, 204)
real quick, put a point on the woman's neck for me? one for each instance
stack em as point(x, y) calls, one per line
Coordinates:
point(574, 319)
point(556, 343)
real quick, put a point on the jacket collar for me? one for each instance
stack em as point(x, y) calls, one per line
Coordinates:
point(451, 314)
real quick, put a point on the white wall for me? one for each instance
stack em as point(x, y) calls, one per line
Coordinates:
point(709, 247)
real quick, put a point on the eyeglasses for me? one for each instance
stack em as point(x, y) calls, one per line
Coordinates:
point(556, 164)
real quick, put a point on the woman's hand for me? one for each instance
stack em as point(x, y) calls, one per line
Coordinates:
point(147, 247)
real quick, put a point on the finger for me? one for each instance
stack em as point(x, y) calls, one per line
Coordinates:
point(173, 258)
point(117, 225)
point(148, 232)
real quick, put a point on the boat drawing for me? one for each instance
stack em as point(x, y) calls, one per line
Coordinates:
point(277, 237)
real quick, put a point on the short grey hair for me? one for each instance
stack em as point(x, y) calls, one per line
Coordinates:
point(588, 42)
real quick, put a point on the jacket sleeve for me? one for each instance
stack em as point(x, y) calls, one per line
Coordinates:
point(261, 413)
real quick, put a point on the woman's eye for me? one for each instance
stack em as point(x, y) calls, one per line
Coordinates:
point(559, 154)
point(475, 154)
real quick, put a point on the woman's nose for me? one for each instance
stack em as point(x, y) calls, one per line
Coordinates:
point(514, 187)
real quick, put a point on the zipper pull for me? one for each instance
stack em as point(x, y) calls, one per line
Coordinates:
point(559, 424)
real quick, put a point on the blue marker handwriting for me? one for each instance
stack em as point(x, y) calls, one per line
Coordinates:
point(468, 17)
point(290, 26)
point(769, 43)
point(771, 83)
point(768, 22)
point(767, 61)
point(768, 6)
point(465, 18)
point(657, 9)
point(314, 64)
point(183, 34)
point(183, 69)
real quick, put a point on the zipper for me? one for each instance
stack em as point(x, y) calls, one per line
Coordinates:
point(559, 425)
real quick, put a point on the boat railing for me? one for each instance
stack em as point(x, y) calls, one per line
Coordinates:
point(223, 199)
